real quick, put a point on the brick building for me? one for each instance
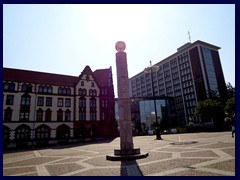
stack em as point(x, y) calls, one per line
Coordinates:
point(45, 108)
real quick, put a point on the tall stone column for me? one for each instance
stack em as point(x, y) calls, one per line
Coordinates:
point(126, 151)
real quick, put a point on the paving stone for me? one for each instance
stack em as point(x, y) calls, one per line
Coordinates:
point(58, 169)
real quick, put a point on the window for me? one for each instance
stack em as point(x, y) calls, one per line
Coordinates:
point(40, 89)
point(60, 115)
point(92, 84)
point(60, 90)
point(43, 132)
point(22, 133)
point(82, 92)
point(9, 86)
point(92, 103)
point(94, 93)
point(48, 101)
point(25, 100)
point(45, 89)
point(103, 116)
point(82, 103)
point(93, 116)
point(82, 83)
point(68, 91)
point(5, 86)
point(12, 87)
point(40, 101)
point(67, 115)
point(90, 92)
point(82, 116)
point(67, 102)
point(60, 102)
point(63, 90)
point(24, 116)
point(48, 115)
point(8, 114)
point(9, 100)
point(24, 87)
point(39, 115)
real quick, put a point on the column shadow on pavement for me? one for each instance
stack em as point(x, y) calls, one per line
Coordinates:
point(130, 168)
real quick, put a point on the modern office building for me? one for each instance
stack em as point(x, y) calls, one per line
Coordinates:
point(192, 74)
point(45, 108)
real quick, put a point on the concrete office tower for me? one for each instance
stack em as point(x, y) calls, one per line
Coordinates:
point(192, 74)
point(127, 151)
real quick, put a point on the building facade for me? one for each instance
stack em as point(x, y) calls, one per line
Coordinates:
point(194, 73)
point(44, 108)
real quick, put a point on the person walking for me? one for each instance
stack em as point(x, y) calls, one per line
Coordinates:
point(233, 130)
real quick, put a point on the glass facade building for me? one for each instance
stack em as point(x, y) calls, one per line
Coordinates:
point(143, 114)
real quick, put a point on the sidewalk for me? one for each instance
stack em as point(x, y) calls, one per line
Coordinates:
point(194, 154)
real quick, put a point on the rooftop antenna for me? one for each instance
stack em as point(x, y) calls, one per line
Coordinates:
point(189, 37)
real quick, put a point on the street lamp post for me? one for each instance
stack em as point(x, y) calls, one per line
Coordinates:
point(147, 70)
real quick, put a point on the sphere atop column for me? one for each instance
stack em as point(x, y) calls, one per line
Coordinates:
point(120, 46)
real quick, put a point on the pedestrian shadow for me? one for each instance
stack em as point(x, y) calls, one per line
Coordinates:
point(130, 168)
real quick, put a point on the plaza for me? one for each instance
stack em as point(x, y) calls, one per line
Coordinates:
point(188, 154)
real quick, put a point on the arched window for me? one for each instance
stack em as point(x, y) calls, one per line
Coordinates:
point(48, 115)
point(8, 114)
point(63, 132)
point(80, 92)
point(67, 115)
point(60, 115)
point(42, 132)
point(94, 92)
point(39, 115)
point(22, 133)
point(84, 92)
point(90, 92)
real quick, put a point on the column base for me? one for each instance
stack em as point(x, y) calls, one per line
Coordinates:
point(126, 155)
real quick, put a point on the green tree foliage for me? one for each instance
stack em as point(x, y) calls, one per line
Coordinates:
point(230, 107)
point(230, 90)
point(210, 109)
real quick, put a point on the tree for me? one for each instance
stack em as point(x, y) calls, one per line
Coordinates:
point(210, 110)
point(230, 90)
point(230, 107)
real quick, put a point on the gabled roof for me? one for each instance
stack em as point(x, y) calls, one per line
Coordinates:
point(87, 70)
point(19, 75)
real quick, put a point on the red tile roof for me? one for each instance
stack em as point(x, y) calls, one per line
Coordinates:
point(19, 75)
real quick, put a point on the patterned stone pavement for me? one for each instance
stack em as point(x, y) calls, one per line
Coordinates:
point(194, 154)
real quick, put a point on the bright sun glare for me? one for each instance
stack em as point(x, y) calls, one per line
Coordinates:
point(108, 23)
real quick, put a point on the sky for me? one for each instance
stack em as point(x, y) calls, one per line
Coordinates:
point(64, 38)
